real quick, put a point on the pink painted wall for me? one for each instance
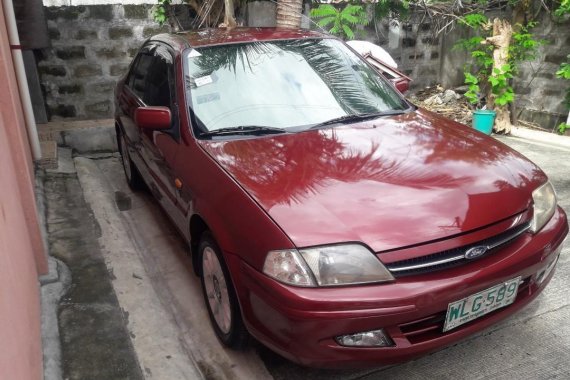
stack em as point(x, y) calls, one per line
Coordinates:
point(11, 110)
point(22, 255)
point(20, 339)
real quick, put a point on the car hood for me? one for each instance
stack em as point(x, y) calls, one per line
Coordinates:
point(389, 183)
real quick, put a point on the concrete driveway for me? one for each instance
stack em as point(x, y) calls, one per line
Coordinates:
point(170, 331)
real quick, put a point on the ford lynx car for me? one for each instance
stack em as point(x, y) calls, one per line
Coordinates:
point(329, 218)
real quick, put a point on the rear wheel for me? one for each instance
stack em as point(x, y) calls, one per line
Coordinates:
point(132, 174)
point(219, 295)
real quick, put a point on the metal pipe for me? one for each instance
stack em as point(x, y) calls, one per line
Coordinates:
point(22, 79)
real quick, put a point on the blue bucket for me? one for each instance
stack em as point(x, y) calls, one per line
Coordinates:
point(483, 121)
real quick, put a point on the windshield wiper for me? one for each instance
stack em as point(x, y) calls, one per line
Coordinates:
point(243, 130)
point(353, 118)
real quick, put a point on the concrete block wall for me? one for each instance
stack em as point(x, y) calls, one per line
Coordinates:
point(413, 46)
point(540, 93)
point(92, 47)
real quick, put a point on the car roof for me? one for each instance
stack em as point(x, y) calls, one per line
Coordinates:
point(222, 36)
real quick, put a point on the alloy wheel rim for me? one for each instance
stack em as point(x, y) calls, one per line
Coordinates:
point(125, 158)
point(216, 290)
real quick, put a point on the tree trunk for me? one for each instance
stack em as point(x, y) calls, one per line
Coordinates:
point(229, 14)
point(209, 13)
point(289, 13)
point(501, 39)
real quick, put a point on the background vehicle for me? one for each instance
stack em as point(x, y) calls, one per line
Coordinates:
point(383, 62)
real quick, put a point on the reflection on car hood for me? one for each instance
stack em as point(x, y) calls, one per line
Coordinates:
point(388, 183)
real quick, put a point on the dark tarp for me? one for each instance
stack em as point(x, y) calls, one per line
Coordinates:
point(32, 26)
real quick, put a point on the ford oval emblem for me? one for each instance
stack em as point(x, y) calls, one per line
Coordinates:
point(473, 253)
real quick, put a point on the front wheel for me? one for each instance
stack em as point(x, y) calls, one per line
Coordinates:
point(219, 295)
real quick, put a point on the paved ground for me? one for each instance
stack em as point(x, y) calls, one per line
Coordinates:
point(164, 314)
point(95, 343)
point(155, 284)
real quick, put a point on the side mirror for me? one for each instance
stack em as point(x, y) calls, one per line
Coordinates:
point(153, 118)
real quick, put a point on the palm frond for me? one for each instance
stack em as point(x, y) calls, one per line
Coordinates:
point(324, 10)
point(349, 33)
point(326, 21)
point(352, 9)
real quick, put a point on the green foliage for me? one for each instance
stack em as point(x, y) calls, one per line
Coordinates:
point(474, 20)
point(159, 12)
point(468, 43)
point(473, 93)
point(483, 57)
point(500, 87)
point(564, 73)
point(563, 9)
point(564, 70)
point(523, 48)
point(395, 8)
point(563, 127)
point(482, 54)
point(342, 21)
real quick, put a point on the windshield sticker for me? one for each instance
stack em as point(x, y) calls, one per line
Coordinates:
point(194, 53)
point(208, 98)
point(203, 81)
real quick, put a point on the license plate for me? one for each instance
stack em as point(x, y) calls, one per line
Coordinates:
point(477, 305)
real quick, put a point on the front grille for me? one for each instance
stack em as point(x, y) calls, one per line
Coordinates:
point(456, 256)
point(431, 327)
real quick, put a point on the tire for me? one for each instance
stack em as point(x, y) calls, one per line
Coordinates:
point(132, 175)
point(219, 295)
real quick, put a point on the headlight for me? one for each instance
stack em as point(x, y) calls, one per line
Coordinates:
point(544, 199)
point(326, 266)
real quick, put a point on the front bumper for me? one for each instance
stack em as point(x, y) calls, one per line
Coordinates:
point(301, 323)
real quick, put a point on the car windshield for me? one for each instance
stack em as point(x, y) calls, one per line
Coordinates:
point(283, 84)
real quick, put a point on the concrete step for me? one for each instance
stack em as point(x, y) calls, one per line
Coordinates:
point(84, 136)
point(49, 155)
point(53, 129)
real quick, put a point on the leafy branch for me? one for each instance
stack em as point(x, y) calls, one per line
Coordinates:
point(472, 93)
point(160, 13)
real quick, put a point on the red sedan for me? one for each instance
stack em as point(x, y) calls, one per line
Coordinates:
point(333, 221)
